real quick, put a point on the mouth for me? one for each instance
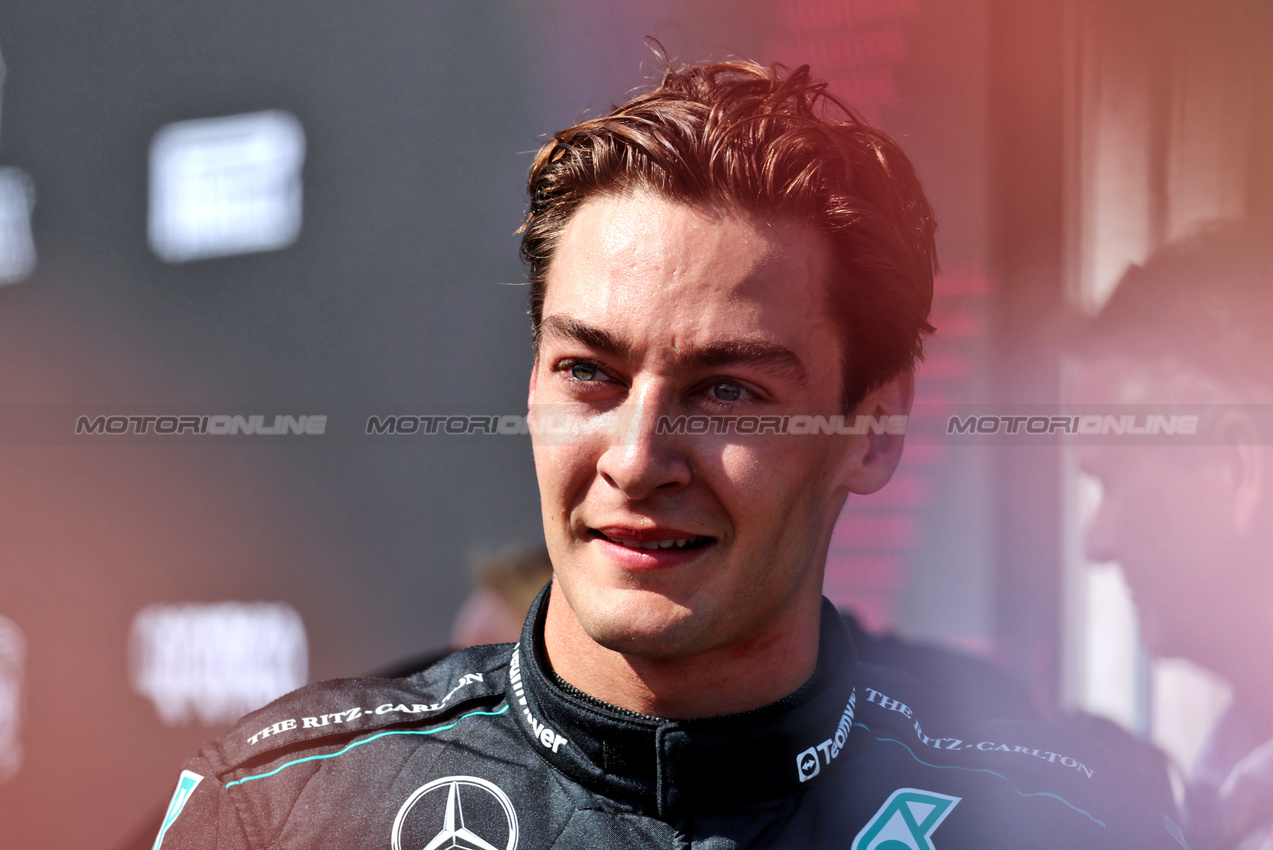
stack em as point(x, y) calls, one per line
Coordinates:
point(675, 544)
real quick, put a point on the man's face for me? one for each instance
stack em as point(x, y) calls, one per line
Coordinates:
point(1169, 514)
point(670, 544)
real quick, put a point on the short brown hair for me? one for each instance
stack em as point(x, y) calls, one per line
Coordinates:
point(764, 140)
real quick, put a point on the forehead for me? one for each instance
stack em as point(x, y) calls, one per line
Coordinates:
point(640, 225)
point(660, 267)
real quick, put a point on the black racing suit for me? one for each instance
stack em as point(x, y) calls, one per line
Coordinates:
point(489, 749)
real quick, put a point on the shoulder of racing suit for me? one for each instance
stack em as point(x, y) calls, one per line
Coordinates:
point(329, 712)
point(1044, 776)
point(285, 741)
point(486, 749)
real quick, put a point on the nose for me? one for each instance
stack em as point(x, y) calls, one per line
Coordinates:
point(644, 456)
point(1097, 545)
point(1098, 502)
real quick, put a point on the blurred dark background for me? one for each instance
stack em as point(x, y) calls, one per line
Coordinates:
point(151, 588)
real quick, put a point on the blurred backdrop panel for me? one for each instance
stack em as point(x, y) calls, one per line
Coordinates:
point(233, 235)
point(242, 210)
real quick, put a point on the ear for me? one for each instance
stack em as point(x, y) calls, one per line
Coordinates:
point(875, 456)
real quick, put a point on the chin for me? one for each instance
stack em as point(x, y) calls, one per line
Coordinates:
point(640, 623)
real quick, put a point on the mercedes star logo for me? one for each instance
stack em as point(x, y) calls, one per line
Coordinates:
point(474, 814)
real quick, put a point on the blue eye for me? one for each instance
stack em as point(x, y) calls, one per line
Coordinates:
point(584, 372)
point(727, 392)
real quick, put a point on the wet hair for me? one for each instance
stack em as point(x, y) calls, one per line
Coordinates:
point(771, 142)
point(1205, 299)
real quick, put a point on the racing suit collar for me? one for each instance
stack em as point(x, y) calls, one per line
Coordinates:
point(674, 768)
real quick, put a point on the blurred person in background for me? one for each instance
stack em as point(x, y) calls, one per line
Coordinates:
point(505, 585)
point(1191, 521)
point(734, 245)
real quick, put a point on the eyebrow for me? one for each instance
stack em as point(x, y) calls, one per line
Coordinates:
point(566, 328)
point(761, 354)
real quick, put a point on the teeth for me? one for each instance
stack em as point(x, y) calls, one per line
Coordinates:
point(655, 545)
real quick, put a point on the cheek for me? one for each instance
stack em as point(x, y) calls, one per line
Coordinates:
point(743, 470)
point(772, 480)
point(562, 469)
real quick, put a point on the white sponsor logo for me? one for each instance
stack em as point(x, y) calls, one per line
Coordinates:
point(12, 655)
point(903, 709)
point(349, 715)
point(883, 700)
point(462, 812)
point(549, 739)
point(221, 186)
point(216, 662)
point(808, 764)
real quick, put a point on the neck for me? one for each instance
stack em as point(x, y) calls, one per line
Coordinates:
point(734, 677)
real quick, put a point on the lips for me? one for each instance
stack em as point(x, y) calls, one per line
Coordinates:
point(652, 545)
point(652, 540)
